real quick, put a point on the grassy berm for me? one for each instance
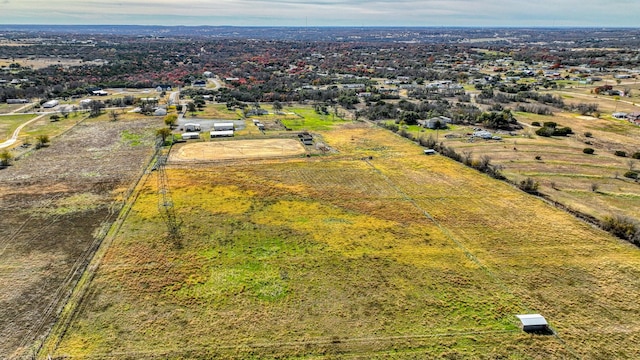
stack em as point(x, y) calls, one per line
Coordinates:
point(375, 251)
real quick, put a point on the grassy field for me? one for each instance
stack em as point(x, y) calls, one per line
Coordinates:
point(308, 119)
point(8, 108)
point(563, 171)
point(217, 111)
point(8, 124)
point(400, 255)
point(55, 206)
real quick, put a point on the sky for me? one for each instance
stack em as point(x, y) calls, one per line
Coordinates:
point(509, 13)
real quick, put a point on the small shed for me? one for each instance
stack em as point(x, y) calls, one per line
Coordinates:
point(191, 135)
point(223, 126)
point(533, 323)
point(429, 152)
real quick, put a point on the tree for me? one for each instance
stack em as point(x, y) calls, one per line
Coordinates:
point(191, 107)
point(65, 112)
point(113, 115)
point(5, 158)
point(95, 108)
point(277, 106)
point(164, 133)
point(410, 117)
point(170, 120)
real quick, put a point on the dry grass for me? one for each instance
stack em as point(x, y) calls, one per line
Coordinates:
point(237, 149)
point(564, 172)
point(400, 256)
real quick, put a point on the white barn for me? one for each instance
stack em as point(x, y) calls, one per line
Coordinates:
point(223, 126)
point(50, 104)
point(190, 135)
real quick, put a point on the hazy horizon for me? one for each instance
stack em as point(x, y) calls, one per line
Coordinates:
point(324, 13)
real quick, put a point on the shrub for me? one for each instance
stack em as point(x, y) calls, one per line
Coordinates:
point(636, 155)
point(545, 131)
point(588, 151)
point(529, 185)
point(620, 153)
point(588, 134)
point(550, 124)
point(5, 158)
point(563, 131)
point(538, 157)
point(554, 131)
point(631, 174)
point(622, 227)
point(535, 123)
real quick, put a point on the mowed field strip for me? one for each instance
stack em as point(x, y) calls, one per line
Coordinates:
point(376, 252)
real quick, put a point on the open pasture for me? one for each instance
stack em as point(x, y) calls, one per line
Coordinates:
point(375, 252)
point(593, 184)
point(55, 205)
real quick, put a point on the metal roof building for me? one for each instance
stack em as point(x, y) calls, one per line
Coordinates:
point(533, 322)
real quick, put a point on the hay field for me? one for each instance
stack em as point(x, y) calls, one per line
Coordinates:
point(397, 256)
point(236, 149)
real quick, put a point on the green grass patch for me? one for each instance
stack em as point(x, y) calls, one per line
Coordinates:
point(9, 123)
point(130, 138)
point(306, 118)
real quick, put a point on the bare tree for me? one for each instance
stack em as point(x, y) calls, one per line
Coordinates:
point(113, 115)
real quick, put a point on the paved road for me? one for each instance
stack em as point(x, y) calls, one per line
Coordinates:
point(14, 137)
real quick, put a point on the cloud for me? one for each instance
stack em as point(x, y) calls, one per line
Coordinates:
point(326, 12)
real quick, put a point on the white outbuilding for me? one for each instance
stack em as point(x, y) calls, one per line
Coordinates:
point(533, 322)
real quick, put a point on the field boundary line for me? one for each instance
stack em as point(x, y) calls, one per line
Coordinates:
point(264, 345)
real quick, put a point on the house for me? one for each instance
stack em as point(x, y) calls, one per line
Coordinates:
point(50, 104)
point(100, 93)
point(200, 83)
point(85, 103)
point(533, 323)
point(223, 126)
point(163, 87)
point(619, 115)
point(190, 127)
point(429, 152)
point(438, 122)
point(353, 86)
point(190, 135)
point(207, 74)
